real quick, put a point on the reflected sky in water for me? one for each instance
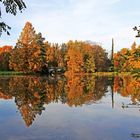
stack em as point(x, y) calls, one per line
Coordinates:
point(69, 108)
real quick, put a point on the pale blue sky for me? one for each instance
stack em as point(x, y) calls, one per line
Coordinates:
point(63, 20)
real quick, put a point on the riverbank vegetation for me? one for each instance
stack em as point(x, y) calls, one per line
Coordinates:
point(33, 54)
point(10, 73)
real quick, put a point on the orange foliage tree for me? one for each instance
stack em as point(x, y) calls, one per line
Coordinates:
point(128, 60)
point(74, 58)
point(5, 53)
point(53, 55)
point(85, 57)
point(29, 52)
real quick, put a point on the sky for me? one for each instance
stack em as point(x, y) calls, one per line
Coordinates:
point(62, 20)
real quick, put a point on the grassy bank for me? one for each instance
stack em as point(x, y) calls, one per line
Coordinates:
point(95, 74)
point(11, 73)
point(112, 73)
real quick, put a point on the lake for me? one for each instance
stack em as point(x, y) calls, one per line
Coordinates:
point(69, 108)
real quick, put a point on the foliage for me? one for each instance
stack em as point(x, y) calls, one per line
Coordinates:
point(5, 53)
point(33, 54)
point(128, 60)
point(53, 55)
point(128, 86)
point(30, 51)
point(83, 57)
point(11, 6)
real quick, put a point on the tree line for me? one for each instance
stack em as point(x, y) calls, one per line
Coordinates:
point(32, 54)
point(127, 60)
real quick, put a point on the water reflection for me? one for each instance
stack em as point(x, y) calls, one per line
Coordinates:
point(135, 135)
point(128, 86)
point(31, 93)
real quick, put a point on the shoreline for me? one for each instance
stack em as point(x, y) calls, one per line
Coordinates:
point(4, 73)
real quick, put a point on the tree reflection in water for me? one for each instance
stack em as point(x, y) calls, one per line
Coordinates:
point(135, 135)
point(128, 86)
point(32, 93)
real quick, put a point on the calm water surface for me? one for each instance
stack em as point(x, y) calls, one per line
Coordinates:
point(72, 108)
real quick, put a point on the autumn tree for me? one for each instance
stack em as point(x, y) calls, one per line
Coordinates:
point(30, 51)
point(100, 58)
point(134, 58)
point(86, 57)
point(74, 58)
point(121, 60)
point(37, 53)
point(89, 65)
point(5, 53)
point(128, 60)
point(64, 49)
point(21, 53)
point(53, 55)
point(96, 57)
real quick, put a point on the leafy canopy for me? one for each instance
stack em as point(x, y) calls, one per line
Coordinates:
point(11, 7)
